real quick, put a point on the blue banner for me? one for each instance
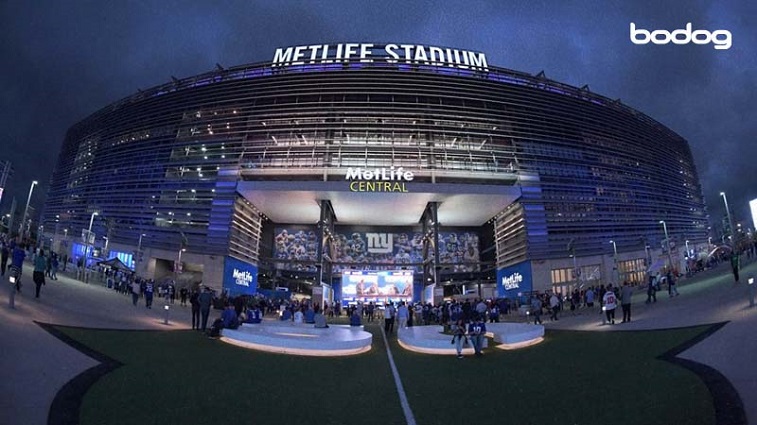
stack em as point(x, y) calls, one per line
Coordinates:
point(239, 277)
point(514, 281)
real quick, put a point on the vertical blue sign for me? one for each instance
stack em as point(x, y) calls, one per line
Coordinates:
point(514, 280)
point(239, 278)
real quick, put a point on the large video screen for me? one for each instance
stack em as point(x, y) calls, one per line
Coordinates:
point(378, 286)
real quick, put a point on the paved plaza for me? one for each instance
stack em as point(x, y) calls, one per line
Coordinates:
point(37, 365)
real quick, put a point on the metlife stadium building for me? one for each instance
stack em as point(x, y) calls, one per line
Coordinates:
point(342, 170)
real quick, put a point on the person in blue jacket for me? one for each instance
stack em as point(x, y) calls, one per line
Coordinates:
point(477, 331)
point(355, 319)
point(230, 318)
point(253, 315)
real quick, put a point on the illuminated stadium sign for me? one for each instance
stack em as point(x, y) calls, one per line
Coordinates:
point(242, 278)
point(512, 281)
point(388, 53)
point(239, 277)
point(378, 180)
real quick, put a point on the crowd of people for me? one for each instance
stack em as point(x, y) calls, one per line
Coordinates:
point(464, 319)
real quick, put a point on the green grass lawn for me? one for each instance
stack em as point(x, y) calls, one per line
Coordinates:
point(571, 378)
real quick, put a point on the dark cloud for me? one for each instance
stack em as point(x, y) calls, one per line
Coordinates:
point(65, 60)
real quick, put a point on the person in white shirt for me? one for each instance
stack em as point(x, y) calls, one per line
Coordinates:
point(554, 305)
point(402, 315)
point(610, 304)
point(389, 318)
point(299, 316)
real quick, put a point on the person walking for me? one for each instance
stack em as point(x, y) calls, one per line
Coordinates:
point(370, 309)
point(54, 270)
point(149, 291)
point(554, 307)
point(458, 337)
point(17, 261)
point(589, 297)
point(183, 293)
point(652, 289)
point(735, 265)
point(4, 253)
point(402, 315)
point(536, 309)
point(389, 318)
point(672, 290)
point(610, 303)
point(136, 289)
point(477, 331)
point(626, 293)
point(205, 299)
point(194, 301)
point(38, 276)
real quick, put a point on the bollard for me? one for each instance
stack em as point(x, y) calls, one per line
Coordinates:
point(165, 317)
point(750, 284)
point(12, 293)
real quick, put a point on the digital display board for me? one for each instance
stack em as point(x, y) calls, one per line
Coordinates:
point(377, 286)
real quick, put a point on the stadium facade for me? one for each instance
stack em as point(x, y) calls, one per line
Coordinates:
point(332, 159)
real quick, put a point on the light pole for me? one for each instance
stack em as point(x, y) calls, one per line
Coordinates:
point(86, 248)
point(727, 213)
point(667, 241)
point(105, 248)
point(139, 249)
point(687, 249)
point(21, 231)
point(177, 267)
point(616, 272)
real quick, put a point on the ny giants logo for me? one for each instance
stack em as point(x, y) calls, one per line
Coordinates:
point(720, 38)
point(380, 243)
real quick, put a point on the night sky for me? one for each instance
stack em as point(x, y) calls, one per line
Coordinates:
point(63, 60)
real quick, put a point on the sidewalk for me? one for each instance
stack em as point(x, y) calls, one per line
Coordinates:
point(709, 297)
point(36, 364)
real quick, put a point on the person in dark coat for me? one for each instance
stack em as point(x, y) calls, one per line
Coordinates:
point(206, 300)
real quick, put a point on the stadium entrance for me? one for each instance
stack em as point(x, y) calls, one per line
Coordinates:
point(331, 239)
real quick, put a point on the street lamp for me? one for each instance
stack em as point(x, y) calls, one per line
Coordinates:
point(105, 248)
point(687, 249)
point(177, 266)
point(667, 241)
point(26, 209)
point(616, 273)
point(89, 232)
point(727, 212)
point(139, 244)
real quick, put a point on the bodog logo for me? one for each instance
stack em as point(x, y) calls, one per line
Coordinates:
point(720, 38)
